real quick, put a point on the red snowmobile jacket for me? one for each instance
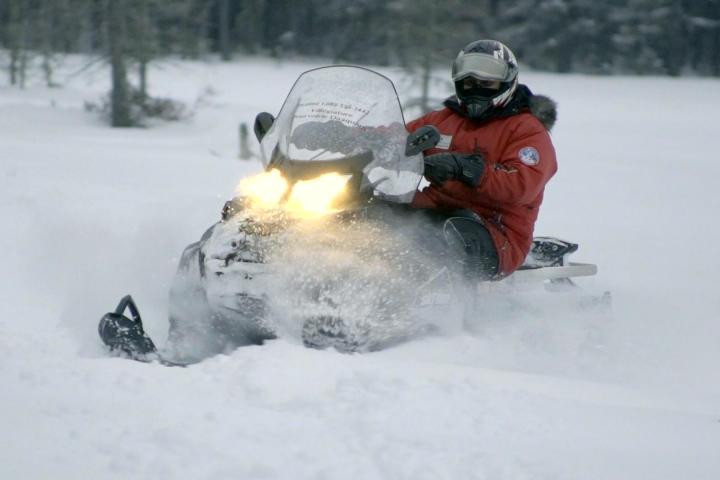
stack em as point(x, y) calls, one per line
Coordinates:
point(519, 161)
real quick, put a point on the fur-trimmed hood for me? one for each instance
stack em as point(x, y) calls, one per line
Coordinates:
point(542, 107)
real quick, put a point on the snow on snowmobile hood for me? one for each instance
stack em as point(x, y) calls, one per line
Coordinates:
point(345, 120)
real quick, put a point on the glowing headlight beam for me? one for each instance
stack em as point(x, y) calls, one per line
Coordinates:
point(315, 197)
point(265, 190)
point(307, 199)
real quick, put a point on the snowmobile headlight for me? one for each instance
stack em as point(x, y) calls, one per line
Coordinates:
point(316, 197)
point(304, 199)
point(264, 191)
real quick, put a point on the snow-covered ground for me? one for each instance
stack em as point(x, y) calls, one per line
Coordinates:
point(90, 213)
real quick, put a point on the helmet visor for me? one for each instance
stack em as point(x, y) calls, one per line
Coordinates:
point(479, 65)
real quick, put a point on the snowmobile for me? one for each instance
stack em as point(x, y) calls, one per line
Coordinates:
point(322, 246)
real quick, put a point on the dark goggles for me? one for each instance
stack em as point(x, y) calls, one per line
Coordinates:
point(475, 90)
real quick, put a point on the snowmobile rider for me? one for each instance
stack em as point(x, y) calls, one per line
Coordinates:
point(488, 172)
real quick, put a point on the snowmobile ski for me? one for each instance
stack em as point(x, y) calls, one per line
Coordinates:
point(126, 337)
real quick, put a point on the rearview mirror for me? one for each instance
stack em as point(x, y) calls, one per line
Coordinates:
point(263, 122)
point(421, 139)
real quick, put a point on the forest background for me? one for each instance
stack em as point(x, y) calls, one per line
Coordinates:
point(635, 37)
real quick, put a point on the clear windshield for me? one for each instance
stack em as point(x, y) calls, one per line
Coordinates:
point(343, 112)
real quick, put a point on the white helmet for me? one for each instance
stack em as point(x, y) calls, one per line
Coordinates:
point(484, 60)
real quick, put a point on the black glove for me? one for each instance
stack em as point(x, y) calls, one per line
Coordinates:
point(468, 168)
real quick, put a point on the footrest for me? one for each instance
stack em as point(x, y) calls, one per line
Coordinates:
point(570, 270)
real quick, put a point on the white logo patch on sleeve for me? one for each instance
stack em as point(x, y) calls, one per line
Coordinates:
point(445, 141)
point(529, 156)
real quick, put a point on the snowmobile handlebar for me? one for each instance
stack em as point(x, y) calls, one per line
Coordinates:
point(424, 138)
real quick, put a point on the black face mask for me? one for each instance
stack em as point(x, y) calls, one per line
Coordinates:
point(476, 107)
point(477, 100)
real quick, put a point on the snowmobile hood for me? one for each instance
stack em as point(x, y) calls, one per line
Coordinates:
point(542, 107)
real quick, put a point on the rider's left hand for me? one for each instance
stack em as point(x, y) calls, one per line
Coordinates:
point(468, 168)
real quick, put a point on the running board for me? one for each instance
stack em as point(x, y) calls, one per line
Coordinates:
point(552, 273)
